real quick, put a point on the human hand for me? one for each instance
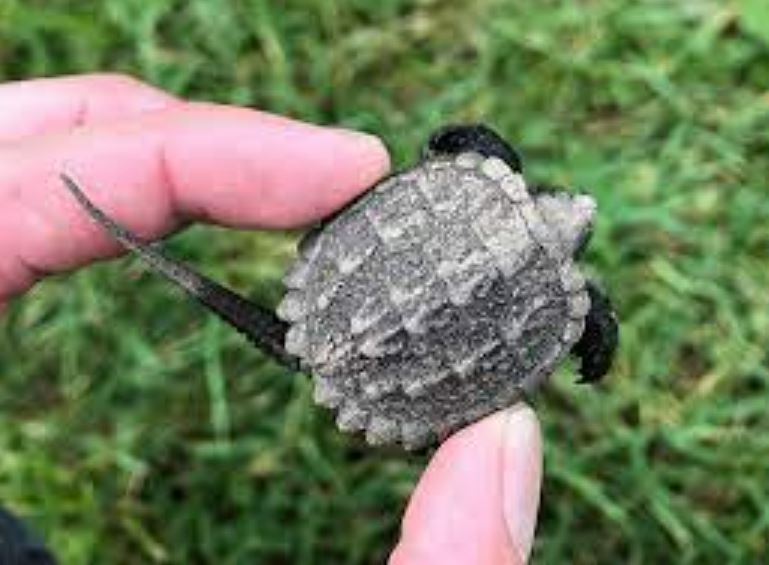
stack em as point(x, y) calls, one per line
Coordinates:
point(156, 163)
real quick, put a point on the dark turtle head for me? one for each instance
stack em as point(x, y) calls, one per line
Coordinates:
point(455, 139)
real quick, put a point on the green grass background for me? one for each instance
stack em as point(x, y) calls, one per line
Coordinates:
point(136, 429)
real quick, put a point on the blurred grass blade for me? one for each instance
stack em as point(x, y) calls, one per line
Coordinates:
point(754, 18)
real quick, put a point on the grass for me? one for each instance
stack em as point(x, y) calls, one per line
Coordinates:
point(133, 437)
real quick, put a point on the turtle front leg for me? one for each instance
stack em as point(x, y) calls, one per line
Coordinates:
point(599, 341)
point(456, 138)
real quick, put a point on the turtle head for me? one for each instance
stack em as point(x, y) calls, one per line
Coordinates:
point(571, 216)
point(453, 139)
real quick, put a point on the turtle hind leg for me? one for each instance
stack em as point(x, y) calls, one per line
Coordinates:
point(596, 347)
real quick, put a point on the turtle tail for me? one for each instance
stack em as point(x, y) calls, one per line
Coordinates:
point(258, 324)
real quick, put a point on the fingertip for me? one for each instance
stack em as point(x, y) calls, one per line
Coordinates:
point(357, 159)
point(459, 512)
point(369, 149)
point(521, 476)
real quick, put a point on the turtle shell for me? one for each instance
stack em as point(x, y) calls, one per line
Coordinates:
point(438, 297)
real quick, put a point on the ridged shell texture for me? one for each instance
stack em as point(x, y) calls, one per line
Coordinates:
point(437, 298)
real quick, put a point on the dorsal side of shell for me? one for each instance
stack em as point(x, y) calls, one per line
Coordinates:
point(470, 217)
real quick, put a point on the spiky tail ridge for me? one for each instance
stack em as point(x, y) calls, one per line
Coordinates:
point(258, 324)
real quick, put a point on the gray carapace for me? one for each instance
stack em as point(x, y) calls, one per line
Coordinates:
point(447, 291)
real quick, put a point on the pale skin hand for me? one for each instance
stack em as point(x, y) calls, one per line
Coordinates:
point(156, 163)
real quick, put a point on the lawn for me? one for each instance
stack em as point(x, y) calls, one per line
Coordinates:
point(136, 429)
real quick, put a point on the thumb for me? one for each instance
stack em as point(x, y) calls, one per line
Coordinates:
point(477, 501)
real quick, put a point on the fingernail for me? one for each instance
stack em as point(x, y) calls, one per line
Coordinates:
point(369, 152)
point(369, 141)
point(361, 136)
point(521, 476)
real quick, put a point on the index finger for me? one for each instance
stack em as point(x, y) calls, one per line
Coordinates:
point(225, 165)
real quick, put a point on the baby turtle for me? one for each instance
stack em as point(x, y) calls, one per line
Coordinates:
point(444, 293)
